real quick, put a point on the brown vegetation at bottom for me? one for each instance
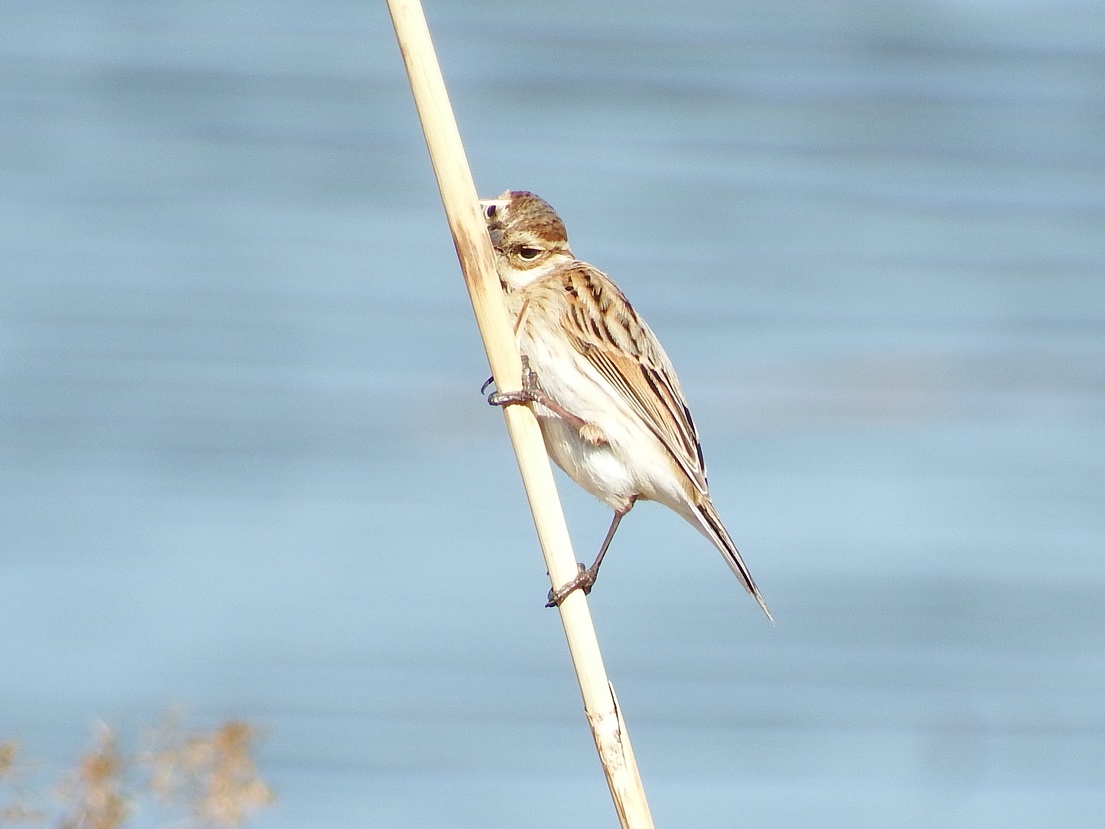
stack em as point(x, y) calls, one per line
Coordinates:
point(210, 776)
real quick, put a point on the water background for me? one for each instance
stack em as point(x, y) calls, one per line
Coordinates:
point(245, 467)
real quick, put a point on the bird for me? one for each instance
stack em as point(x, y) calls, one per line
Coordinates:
point(611, 411)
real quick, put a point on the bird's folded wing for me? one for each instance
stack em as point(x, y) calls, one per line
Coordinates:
point(606, 330)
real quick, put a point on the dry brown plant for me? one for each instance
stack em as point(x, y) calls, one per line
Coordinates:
point(210, 775)
point(94, 792)
point(213, 773)
point(14, 806)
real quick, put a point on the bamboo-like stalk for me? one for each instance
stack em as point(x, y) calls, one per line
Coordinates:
point(458, 195)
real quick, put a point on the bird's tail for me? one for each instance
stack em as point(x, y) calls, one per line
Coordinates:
point(706, 519)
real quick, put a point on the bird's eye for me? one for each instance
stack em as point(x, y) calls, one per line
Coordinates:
point(528, 253)
point(491, 210)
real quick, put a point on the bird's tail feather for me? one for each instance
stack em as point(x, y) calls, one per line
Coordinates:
point(705, 517)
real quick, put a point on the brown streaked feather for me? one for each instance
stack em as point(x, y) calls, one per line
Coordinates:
point(625, 352)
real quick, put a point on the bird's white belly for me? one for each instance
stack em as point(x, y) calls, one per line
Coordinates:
point(630, 463)
point(599, 469)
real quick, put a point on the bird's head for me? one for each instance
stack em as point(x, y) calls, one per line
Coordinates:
point(530, 240)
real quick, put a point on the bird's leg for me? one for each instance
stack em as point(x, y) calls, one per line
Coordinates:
point(585, 579)
point(531, 393)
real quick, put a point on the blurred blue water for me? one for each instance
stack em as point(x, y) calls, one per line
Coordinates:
point(245, 468)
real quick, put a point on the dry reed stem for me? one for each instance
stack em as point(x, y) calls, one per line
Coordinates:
point(458, 195)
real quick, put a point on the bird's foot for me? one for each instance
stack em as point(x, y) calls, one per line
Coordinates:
point(584, 580)
point(529, 392)
point(532, 393)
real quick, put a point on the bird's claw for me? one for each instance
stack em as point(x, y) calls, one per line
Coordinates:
point(527, 394)
point(584, 580)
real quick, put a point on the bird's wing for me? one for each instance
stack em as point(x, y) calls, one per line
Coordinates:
point(605, 329)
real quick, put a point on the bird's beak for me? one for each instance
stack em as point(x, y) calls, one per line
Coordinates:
point(494, 226)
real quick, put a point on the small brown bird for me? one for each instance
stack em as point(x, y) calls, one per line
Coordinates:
point(604, 392)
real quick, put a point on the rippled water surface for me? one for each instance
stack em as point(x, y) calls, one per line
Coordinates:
point(245, 467)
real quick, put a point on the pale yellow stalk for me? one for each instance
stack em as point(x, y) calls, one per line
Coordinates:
point(458, 195)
